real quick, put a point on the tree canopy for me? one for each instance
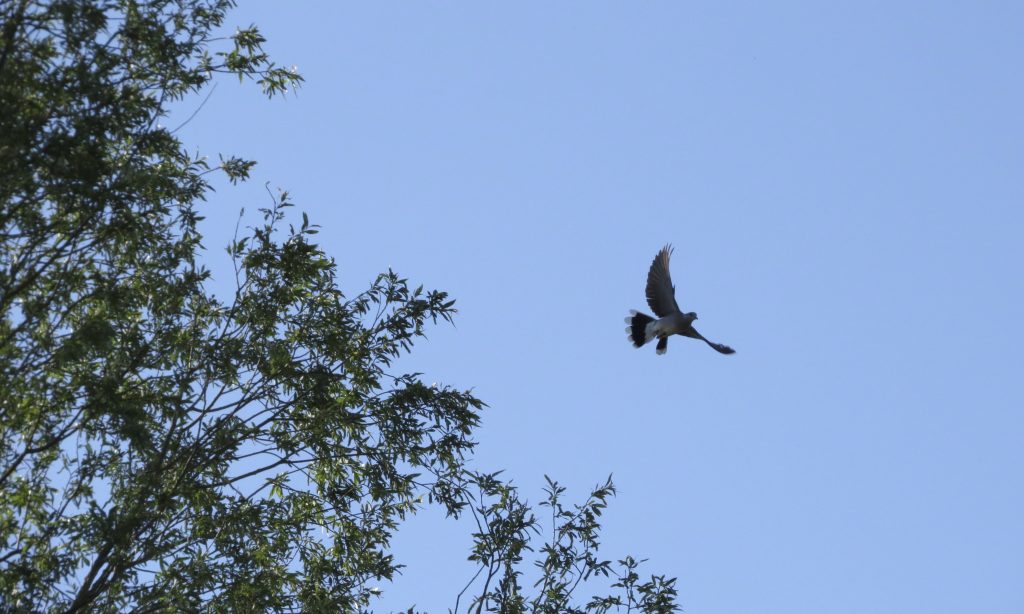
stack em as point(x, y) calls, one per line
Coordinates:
point(163, 448)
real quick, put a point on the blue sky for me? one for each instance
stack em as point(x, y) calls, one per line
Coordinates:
point(843, 184)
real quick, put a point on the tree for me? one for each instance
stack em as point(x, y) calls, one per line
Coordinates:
point(567, 556)
point(162, 448)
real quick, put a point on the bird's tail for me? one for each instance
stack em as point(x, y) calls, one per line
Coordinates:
point(637, 329)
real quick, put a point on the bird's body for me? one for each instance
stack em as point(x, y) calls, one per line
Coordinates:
point(661, 297)
point(673, 324)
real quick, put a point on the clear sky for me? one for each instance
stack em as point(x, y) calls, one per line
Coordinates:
point(843, 182)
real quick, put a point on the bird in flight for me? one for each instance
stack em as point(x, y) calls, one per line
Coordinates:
point(661, 297)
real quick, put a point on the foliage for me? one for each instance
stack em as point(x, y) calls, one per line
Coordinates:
point(165, 449)
point(161, 447)
point(568, 556)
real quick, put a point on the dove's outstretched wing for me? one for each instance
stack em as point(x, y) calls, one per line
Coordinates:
point(718, 347)
point(661, 294)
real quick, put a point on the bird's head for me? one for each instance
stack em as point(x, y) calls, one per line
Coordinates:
point(692, 315)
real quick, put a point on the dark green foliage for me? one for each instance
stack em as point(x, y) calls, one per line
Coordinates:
point(163, 449)
point(567, 556)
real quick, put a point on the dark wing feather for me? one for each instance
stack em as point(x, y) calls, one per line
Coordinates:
point(661, 294)
point(718, 347)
